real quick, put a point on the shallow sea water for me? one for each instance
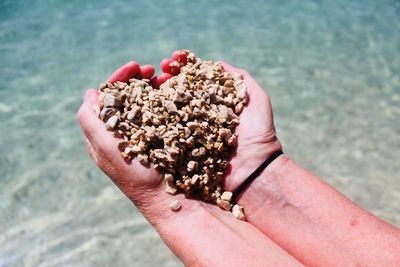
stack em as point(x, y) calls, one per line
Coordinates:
point(332, 69)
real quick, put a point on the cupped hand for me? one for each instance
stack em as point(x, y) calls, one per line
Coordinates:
point(143, 185)
point(256, 132)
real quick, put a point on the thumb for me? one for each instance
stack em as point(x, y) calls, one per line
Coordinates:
point(91, 98)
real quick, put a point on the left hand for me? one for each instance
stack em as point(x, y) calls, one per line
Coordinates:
point(256, 133)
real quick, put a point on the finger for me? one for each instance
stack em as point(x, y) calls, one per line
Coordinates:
point(169, 65)
point(147, 71)
point(91, 151)
point(253, 88)
point(180, 56)
point(126, 72)
point(91, 125)
point(86, 115)
point(156, 81)
point(91, 98)
point(231, 68)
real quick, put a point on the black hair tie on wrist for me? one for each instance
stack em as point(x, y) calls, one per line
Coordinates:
point(255, 174)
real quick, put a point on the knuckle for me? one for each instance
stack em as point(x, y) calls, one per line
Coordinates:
point(80, 115)
point(95, 157)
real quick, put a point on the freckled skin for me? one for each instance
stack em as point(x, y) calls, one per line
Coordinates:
point(338, 232)
point(354, 222)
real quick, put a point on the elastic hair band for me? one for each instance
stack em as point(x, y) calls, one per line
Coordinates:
point(255, 174)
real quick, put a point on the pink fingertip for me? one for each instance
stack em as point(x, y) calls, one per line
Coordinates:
point(91, 97)
point(126, 72)
point(180, 56)
point(147, 71)
point(164, 77)
point(165, 65)
point(89, 94)
point(156, 81)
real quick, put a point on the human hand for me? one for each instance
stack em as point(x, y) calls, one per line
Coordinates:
point(141, 184)
point(200, 234)
point(256, 132)
point(256, 141)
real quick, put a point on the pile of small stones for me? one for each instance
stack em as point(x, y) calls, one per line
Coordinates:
point(186, 128)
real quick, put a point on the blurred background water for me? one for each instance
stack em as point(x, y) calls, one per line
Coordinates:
point(332, 69)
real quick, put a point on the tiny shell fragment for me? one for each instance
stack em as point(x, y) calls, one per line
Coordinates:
point(106, 113)
point(192, 165)
point(223, 204)
point(175, 205)
point(226, 196)
point(111, 101)
point(112, 122)
point(171, 190)
point(132, 113)
point(237, 211)
point(96, 110)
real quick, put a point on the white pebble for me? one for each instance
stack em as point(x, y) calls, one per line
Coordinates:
point(237, 211)
point(226, 196)
point(112, 122)
point(175, 205)
point(111, 101)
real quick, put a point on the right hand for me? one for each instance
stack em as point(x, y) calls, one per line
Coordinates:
point(143, 185)
point(256, 132)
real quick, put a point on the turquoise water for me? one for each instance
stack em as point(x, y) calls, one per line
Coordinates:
point(332, 69)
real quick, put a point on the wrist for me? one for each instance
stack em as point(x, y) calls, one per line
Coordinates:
point(154, 204)
point(250, 159)
point(265, 189)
